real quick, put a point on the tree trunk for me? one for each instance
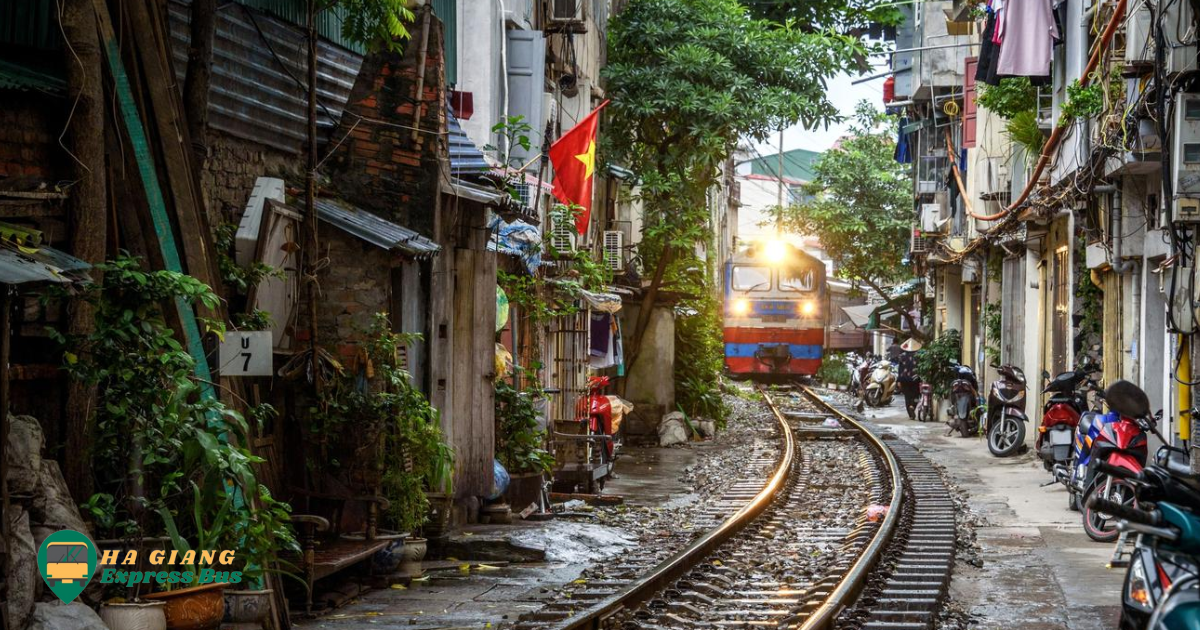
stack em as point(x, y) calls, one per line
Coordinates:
point(904, 312)
point(87, 214)
point(648, 299)
point(199, 75)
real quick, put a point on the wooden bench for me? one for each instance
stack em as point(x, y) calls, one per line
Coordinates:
point(324, 549)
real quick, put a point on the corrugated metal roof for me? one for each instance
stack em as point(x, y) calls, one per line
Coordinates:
point(465, 157)
point(46, 264)
point(18, 76)
point(374, 229)
point(256, 95)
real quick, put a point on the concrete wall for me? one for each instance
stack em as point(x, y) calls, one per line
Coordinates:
point(651, 378)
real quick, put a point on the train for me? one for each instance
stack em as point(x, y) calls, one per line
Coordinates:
point(776, 305)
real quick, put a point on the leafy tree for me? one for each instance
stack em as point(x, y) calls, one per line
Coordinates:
point(843, 16)
point(860, 205)
point(688, 79)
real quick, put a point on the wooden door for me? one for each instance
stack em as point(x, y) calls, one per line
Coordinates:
point(472, 367)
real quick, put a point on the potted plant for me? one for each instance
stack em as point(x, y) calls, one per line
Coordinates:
point(119, 614)
point(163, 443)
point(520, 444)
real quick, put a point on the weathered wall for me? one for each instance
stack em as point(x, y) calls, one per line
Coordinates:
point(651, 378)
point(231, 169)
point(26, 140)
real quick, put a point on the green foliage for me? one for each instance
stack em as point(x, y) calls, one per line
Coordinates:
point(1089, 302)
point(860, 204)
point(239, 278)
point(833, 369)
point(1024, 130)
point(844, 16)
point(388, 425)
point(936, 361)
point(993, 329)
point(520, 440)
point(159, 446)
point(376, 24)
point(254, 320)
point(515, 132)
point(699, 360)
point(1013, 96)
point(1083, 102)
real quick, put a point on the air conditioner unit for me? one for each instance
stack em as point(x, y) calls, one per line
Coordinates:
point(614, 250)
point(931, 215)
point(918, 244)
point(1185, 157)
point(567, 12)
point(1179, 35)
point(1138, 35)
point(562, 236)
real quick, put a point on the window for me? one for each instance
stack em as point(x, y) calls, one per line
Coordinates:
point(748, 278)
point(801, 282)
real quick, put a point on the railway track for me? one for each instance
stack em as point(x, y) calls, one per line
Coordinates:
point(850, 529)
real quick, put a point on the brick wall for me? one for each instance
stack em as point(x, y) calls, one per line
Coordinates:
point(232, 167)
point(27, 140)
point(383, 165)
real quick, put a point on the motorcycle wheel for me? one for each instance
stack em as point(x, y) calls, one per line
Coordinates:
point(1006, 436)
point(924, 413)
point(1098, 526)
point(1072, 501)
point(872, 397)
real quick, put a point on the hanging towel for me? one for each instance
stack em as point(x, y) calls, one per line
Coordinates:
point(1027, 39)
point(902, 154)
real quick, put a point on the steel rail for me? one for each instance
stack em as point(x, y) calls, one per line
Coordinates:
point(671, 569)
point(848, 589)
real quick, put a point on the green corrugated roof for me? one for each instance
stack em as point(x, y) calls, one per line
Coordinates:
point(17, 76)
point(797, 164)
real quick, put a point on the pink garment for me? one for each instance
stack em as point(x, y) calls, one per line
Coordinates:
point(1029, 34)
point(998, 32)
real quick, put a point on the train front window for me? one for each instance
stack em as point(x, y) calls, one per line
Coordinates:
point(751, 278)
point(803, 281)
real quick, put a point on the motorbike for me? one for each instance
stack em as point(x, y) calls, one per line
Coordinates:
point(1060, 414)
point(881, 386)
point(1118, 439)
point(1005, 426)
point(964, 399)
point(858, 366)
point(1160, 587)
point(925, 405)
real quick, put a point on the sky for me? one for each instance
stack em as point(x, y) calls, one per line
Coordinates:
point(845, 96)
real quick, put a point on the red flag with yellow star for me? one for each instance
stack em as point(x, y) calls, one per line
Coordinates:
point(574, 158)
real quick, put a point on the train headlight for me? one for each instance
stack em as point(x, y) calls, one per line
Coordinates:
point(775, 252)
point(741, 306)
point(808, 307)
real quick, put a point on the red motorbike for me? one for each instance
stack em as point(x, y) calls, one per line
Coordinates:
point(595, 410)
point(1060, 414)
point(1118, 439)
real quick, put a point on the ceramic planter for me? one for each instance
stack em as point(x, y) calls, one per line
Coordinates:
point(386, 560)
point(134, 616)
point(411, 557)
point(438, 519)
point(247, 606)
point(196, 608)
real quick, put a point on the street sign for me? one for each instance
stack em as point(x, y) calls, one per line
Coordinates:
point(246, 353)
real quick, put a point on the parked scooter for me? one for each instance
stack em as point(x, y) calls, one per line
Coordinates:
point(964, 399)
point(925, 404)
point(858, 366)
point(1006, 417)
point(1060, 414)
point(1160, 582)
point(1117, 438)
point(881, 386)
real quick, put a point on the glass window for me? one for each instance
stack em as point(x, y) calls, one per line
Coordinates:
point(747, 278)
point(801, 282)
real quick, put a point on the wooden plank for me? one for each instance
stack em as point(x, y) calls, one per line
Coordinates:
point(468, 477)
point(483, 413)
point(158, 212)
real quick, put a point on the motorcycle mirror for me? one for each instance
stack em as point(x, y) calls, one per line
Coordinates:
point(1045, 375)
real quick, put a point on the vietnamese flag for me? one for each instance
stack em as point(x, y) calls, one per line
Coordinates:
point(574, 158)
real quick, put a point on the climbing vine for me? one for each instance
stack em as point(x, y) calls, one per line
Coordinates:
point(1089, 306)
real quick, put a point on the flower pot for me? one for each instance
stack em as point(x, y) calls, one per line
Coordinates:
point(134, 616)
point(195, 608)
point(411, 557)
point(387, 560)
point(524, 489)
point(437, 520)
point(247, 606)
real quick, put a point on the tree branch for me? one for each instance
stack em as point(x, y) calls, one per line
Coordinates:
point(899, 308)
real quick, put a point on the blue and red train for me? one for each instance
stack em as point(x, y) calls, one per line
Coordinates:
point(776, 303)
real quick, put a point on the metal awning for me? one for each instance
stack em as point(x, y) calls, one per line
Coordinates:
point(465, 157)
point(43, 264)
point(375, 229)
point(479, 194)
point(859, 315)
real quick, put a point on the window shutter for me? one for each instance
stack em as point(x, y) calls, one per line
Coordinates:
point(526, 82)
point(969, 112)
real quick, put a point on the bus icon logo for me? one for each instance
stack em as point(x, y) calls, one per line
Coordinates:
point(66, 561)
